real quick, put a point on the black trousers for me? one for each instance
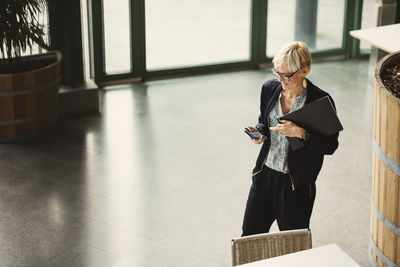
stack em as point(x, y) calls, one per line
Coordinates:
point(271, 198)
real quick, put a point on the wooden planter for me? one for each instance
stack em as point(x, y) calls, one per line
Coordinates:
point(29, 100)
point(385, 211)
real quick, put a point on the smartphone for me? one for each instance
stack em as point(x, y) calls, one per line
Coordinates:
point(253, 135)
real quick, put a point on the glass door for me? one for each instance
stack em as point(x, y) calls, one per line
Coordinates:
point(117, 36)
point(132, 40)
point(196, 32)
point(318, 23)
point(369, 19)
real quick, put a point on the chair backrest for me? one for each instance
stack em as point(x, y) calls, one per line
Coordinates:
point(263, 246)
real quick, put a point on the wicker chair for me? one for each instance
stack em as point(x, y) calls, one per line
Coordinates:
point(263, 246)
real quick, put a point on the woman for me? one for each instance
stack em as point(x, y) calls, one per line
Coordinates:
point(283, 187)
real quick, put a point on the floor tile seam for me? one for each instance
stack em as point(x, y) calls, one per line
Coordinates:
point(113, 254)
point(64, 162)
point(73, 187)
point(327, 217)
point(23, 194)
point(44, 178)
point(128, 208)
point(138, 233)
point(13, 166)
point(150, 211)
point(75, 216)
point(132, 232)
point(61, 136)
point(89, 217)
point(95, 171)
point(203, 209)
point(69, 123)
point(124, 229)
point(56, 254)
point(108, 224)
point(77, 223)
point(94, 151)
point(47, 178)
point(46, 156)
point(51, 159)
point(121, 186)
point(94, 193)
point(85, 147)
point(134, 259)
point(84, 244)
point(51, 145)
point(88, 199)
point(36, 195)
point(195, 229)
point(127, 204)
point(195, 251)
point(113, 188)
point(63, 252)
point(137, 207)
point(212, 255)
point(59, 183)
point(187, 208)
point(155, 198)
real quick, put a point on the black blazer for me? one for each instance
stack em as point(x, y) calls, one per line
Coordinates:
point(305, 163)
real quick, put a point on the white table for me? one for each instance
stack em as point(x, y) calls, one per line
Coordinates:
point(386, 38)
point(326, 256)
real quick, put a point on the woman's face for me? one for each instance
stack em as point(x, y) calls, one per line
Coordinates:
point(295, 81)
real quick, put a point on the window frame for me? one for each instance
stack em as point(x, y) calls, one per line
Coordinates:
point(258, 23)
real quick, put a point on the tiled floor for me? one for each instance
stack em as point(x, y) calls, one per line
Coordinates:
point(161, 177)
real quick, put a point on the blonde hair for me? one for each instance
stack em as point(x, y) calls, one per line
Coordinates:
point(294, 56)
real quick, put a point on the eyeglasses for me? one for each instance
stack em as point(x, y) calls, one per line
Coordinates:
point(285, 76)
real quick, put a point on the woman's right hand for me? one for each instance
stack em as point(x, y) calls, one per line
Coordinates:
point(259, 140)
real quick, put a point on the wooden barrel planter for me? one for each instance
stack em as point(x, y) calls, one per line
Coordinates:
point(385, 204)
point(29, 100)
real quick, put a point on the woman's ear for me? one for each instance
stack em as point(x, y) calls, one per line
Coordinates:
point(306, 70)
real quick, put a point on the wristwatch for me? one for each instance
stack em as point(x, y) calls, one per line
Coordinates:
point(305, 136)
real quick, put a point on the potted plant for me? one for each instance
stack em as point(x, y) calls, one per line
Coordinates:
point(29, 85)
point(385, 204)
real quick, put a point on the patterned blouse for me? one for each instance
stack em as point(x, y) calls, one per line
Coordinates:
point(278, 151)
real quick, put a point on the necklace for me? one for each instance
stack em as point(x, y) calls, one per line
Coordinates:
point(287, 100)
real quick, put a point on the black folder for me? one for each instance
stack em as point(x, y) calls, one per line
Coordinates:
point(319, 116)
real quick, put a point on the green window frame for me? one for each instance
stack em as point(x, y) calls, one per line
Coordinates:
point(350, 46)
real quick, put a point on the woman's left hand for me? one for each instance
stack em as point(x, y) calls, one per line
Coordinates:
point(289, 129)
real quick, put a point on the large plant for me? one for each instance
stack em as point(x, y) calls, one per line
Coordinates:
point(20, 26)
